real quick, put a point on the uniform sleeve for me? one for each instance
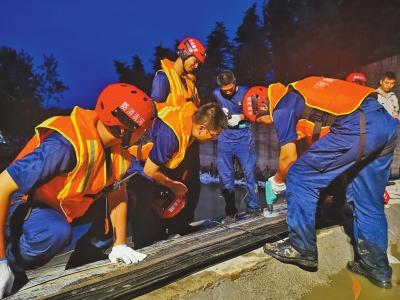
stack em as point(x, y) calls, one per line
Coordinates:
point(160, 88)
point(165, 145)
point(285, 122)
point(54, 156)
point(396, 103)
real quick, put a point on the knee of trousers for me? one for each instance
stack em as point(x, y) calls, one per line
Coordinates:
point(38, 245)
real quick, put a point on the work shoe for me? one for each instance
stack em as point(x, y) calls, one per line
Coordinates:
point(283, 251)
point(253, 213)
point(229, 219)
point(356, 267)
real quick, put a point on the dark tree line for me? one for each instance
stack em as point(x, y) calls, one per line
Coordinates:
point(26, 92)
point(291, 40)
point(314, 37)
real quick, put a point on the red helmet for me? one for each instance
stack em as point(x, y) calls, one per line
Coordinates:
point(357, 78)
point(124, 105)
point(386, 197)
point(192, 47)
point(166, 204)
point(255, 103)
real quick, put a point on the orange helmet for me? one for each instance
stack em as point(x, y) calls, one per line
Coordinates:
point(192, 47)
point(126, 106)
point(359, 78)
point(255, 103)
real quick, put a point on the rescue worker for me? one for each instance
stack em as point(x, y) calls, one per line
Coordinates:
point(235, 141)
point(63, 170)
point(174, 85)
point(352, 134)
point(165, 163)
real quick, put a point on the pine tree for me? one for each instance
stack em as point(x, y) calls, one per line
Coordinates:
point(219, 57)
point(252, 56)
point(134, 74)
point(51, 87)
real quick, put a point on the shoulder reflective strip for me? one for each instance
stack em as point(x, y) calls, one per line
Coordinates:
point(92, 157)
point(67, 187)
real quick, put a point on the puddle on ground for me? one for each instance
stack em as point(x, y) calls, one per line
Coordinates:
point(348, 286)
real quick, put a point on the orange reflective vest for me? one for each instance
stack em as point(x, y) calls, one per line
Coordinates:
point(179, 119)
point(69, 192)
point(333, 96)
point(178, 94)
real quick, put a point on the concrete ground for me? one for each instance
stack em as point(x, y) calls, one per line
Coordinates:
point(255, 275)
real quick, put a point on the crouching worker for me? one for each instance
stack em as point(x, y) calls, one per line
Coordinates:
point(350, 133)
point(167, 160)
point(63, 170)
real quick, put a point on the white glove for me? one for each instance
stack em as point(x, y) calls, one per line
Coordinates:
point(277, 188)
point(234, 120)
point(123, 253)
point(226, 111)
point(6, 279)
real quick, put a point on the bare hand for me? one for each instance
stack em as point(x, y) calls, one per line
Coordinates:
point(179, 189)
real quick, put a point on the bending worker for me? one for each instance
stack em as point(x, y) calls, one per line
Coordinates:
point(352, 134)
point(166, 158)
point(174, 85)
point(63, 170)
point(236, 140)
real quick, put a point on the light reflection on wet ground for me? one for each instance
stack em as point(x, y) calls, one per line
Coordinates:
point(348, 286)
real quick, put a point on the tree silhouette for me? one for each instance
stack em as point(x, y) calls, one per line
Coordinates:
point(51, 87)
point(219, 57)
point(252, 56)
point(134, 74)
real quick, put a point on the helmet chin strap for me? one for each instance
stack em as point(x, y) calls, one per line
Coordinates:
point(123, 135)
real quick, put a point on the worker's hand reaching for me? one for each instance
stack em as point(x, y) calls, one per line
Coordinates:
point(179, 189)
point(234, 120)
point(277, 188)
point(6, 279)
point(123, 253)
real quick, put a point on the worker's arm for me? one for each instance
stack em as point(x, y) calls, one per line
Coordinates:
point(152, 170)
point(118, 203)
point(7, 188)
point(287, 156)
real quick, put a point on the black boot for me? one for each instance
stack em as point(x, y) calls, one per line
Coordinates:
point(373, 264)
point(283, 251)
point(230, 205)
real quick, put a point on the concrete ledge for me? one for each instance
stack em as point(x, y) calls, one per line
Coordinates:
point(255, 275)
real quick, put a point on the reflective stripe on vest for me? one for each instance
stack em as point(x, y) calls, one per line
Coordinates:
point(178, 93)
point(179, 119)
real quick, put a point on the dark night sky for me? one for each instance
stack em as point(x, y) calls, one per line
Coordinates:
point(86, 36)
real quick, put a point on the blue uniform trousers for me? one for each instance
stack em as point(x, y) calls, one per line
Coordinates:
point(244, 150)
point(36, 233)
point(332, 156)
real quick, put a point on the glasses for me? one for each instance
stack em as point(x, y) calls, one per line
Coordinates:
point(213, 134)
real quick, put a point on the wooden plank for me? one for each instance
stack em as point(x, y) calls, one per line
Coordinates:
point(167, 261)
